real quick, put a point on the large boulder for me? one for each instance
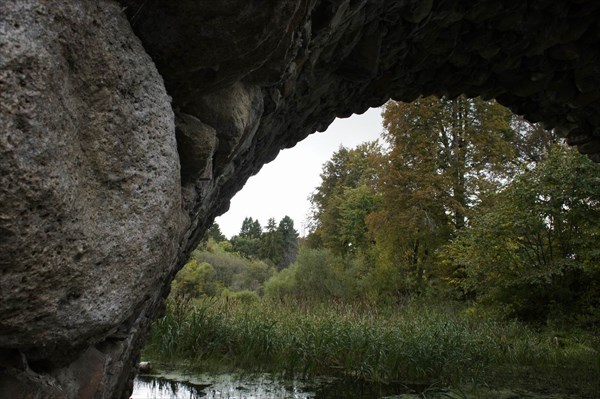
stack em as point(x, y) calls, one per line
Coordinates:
point(128, 126)
point(90, 214)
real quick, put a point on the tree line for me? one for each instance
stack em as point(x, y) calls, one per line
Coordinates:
point(465, 199)
point(239, 266)
point(461, 199)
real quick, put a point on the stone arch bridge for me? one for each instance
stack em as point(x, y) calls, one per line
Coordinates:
point(128, 125)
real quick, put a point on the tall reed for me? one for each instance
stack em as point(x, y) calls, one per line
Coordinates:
point(414, 343)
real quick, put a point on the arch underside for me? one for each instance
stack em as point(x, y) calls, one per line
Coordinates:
point(170, 106)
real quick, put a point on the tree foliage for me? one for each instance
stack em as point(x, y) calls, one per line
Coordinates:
point(534, 248)
point(247, 243)
point(316, 276)
point(271, 243)
point(214, 232)
point(344, 198)
point(196, 279)
point(391, 209)
point(464, 199)
point(214, 268)
point(445, 157)
point(288, 237)
point(277, 244)
point(250, 228)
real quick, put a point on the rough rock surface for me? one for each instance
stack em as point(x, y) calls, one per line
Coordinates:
point(106, 184)
point(91, 216)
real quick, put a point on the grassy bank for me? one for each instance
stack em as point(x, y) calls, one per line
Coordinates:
point(414, 343)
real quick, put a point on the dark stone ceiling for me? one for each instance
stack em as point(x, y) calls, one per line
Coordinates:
point(129, 125)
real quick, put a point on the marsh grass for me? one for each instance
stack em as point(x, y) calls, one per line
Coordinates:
point(414, 343)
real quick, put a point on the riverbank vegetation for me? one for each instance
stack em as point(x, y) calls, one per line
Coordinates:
point(415, 343)
point(462, 250)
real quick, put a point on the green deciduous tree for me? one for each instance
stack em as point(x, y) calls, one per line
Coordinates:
point(231, 270)
point(196, 279)
point(344, 198)
point(445, 156)
point(533, 249)
point(317, 275)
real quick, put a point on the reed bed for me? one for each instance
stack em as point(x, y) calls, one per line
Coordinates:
point(413, 343)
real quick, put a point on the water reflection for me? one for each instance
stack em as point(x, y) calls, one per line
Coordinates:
point(217, 387)
point(159, 388)
point(175, 385)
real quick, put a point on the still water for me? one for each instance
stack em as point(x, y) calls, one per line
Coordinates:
point(259, 386)
point(226, 386)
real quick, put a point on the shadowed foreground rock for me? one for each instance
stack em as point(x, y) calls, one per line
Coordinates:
point(128, 126)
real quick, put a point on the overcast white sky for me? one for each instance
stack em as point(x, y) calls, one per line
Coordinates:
point(282, 187)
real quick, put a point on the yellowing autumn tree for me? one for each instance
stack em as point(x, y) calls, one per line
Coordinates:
point(445, 155)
